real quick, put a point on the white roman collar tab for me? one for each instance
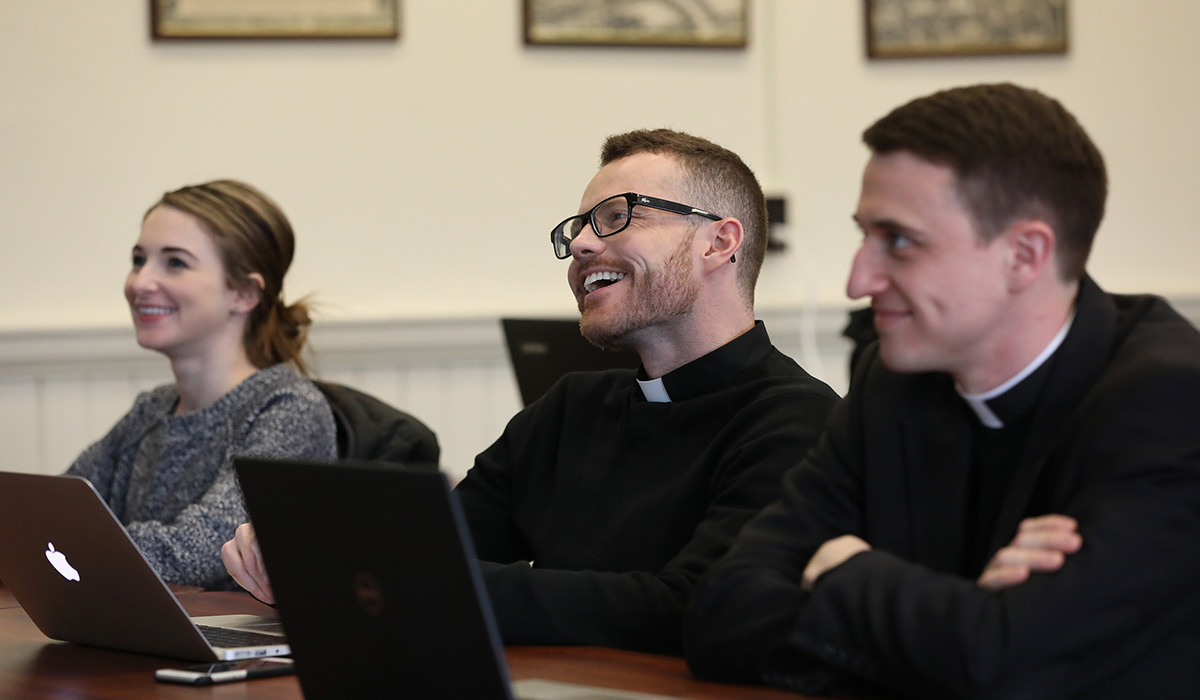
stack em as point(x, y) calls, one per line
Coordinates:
point(978, 402)
point(654, 390)
point(986, 416)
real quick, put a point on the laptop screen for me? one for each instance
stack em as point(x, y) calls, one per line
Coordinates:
point(542, 350)
point(375, 579)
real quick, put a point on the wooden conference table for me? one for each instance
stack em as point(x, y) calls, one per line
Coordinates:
point(34, 667)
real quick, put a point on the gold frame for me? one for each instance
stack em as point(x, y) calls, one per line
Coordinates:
point(908, 28)
point(274, 19)
point(710, 23)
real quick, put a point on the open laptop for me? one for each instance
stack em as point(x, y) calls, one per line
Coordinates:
point(377, 583)
point(70, 564)
point(542, 350)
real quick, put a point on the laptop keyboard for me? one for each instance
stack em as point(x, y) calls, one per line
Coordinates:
point(232, 639)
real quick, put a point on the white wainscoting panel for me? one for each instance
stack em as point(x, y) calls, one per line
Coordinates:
point(61, 390)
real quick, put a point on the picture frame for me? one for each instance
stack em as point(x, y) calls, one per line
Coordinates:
point(930, 28)
point(704, 23)
point(274, 19)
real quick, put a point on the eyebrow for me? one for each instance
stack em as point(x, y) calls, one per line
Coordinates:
point(170, 250)
point(884, 223)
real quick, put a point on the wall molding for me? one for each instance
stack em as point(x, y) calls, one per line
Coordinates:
point(106, 349)
point(61, 389)
point(112, 349)
point(799, 331)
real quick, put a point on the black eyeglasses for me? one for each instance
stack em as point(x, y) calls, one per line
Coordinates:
point(612, 216)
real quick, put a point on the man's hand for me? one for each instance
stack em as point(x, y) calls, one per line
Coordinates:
point(1041, 544)
point(830, 555)
point(243, 561)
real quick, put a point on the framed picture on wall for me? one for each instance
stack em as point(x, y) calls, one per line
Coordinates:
point(908, 28)
point(720, 23)
point(275, 19)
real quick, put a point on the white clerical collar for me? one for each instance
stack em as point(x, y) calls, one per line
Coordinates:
point(654, 390)
point(978, 402)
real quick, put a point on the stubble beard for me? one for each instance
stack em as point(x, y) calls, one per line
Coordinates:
point(656, 297)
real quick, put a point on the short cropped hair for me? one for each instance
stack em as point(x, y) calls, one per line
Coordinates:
point(1016, 153)
point(716, 180)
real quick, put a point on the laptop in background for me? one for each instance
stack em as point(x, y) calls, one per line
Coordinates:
point(542, 350)
point(376, 580)
point(70, 564)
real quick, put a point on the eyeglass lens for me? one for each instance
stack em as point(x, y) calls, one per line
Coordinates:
point(608, 217)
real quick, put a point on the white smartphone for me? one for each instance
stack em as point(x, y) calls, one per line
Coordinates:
point(226, 671)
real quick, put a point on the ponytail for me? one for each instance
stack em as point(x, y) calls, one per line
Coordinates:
point(280, 334)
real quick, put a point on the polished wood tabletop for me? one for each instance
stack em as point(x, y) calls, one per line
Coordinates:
point(33, 667)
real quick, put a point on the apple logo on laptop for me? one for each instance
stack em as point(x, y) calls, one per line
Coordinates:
point(59, 561)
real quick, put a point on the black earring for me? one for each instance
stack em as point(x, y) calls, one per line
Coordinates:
point(733, 258)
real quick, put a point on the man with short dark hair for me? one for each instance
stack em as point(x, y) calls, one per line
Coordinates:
point(1007, 503)
point(603, 502)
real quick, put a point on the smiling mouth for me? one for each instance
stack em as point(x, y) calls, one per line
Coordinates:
point(885, 319)
point(154, 310)
point(596, 280)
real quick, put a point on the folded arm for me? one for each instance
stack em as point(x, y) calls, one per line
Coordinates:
point(1115, 573)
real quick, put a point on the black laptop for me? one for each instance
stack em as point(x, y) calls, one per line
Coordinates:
point(542, 350)
point(377, 584)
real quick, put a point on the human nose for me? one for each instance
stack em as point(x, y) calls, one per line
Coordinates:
point(141, 279)
point(867, 276)
point(586, 243)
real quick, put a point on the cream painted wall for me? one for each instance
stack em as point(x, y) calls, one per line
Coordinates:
point(423, 175)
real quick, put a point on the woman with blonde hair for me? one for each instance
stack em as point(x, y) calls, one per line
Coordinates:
point(206, 290)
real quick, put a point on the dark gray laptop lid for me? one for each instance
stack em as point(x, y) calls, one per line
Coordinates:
point(543, 350)
point(375, 579)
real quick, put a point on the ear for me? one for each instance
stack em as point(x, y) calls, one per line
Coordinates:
point(246, 298)
point(1033, 255)
point(724, 239)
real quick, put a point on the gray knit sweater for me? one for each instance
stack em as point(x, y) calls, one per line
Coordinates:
point(170, 479)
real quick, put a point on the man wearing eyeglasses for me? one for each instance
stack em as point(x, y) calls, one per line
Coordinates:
point(604, 501)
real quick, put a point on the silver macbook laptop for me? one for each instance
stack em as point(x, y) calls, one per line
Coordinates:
point(72, 567)
point(376, 580)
